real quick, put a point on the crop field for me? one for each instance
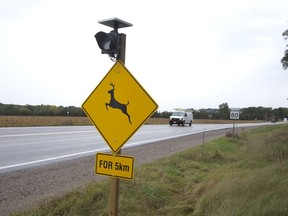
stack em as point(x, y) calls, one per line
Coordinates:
point(31, 121)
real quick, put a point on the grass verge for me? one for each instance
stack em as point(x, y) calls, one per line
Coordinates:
point(246, 175)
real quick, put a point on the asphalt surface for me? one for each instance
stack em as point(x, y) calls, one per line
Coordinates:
point(26, 147)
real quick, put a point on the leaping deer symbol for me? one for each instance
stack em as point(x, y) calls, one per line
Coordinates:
point(115, 104)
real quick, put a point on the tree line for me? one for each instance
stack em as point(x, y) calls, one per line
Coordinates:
point(40, 110)
point(222, 112)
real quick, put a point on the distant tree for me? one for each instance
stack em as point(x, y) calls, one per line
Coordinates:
point(250, 113)
point(156, 114)
point(159, 114)
point(256, 113)
point(224, 111)
point(200, 114)
point(74, 111)
point(280, 113)
point(284, 60)
point(166, 114)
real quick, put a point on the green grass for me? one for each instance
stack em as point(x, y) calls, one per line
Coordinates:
point(247, 175)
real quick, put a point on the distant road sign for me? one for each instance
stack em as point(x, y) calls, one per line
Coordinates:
point(114, 165)
point(234, 115)
point(118, 106)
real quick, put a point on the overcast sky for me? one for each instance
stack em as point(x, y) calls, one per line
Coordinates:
point(186, 54)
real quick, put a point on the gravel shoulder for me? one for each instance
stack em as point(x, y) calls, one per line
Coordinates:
point(25, 189)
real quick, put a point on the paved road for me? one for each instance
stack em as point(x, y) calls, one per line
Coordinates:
point(32, 146)
point(26, 188)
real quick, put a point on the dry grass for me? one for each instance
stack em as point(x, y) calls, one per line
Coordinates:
point(29, 121)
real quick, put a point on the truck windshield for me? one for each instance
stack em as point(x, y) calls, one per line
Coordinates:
point(178, 114)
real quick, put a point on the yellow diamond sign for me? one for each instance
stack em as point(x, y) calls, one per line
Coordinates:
point(118, 106)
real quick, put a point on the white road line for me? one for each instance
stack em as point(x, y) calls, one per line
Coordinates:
point(42, 134)
point(96, 150)
point(88, 152)
point(51, 159)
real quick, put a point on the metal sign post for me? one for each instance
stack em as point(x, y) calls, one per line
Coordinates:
point(234, 114)
point(233, 127)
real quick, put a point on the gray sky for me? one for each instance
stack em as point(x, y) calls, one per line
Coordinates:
point(186, 54)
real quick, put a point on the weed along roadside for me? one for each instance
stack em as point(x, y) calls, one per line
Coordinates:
point(247, 175)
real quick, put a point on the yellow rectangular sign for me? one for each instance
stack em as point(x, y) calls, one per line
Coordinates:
point(117, 166)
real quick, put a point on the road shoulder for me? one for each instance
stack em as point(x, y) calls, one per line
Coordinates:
point(25, 189)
